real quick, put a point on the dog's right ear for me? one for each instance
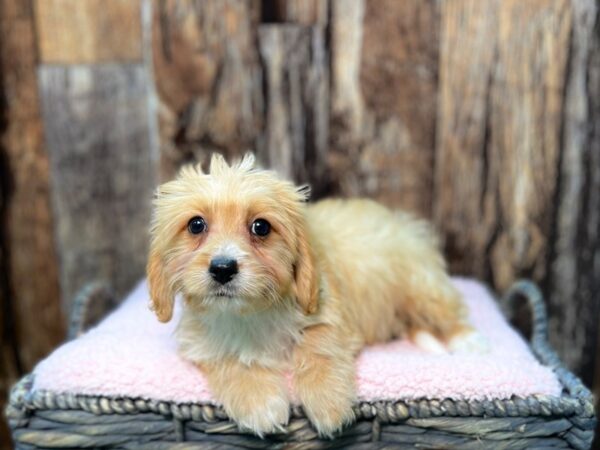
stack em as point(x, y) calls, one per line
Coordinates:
point(161, 291)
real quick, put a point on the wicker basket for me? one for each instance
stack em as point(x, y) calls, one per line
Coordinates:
point(47, 420)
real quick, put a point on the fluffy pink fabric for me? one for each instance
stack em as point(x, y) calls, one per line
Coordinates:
point(131, 354)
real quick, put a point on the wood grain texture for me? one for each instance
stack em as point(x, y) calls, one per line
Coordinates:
point(30, 314)
point(99, 145)
point(303, 12)
point(574, 269)
point(346, 33)
point(467, 55)
point(207, 74)
point(76, 32)
point(525, 135)
point(29, 255)
point(295, 79)
point(499, 130)
point(383, 106)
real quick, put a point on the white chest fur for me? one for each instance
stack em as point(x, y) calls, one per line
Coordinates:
point(266, 337)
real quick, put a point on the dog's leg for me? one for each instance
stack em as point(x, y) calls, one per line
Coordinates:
point(437, 312)
point(324, 378)
point(254, 397)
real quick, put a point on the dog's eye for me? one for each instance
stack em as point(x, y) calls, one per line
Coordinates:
point(196, 225)
point(260, 227)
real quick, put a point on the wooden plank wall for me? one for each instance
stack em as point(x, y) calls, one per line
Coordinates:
point(31, 318)
point(481, 116)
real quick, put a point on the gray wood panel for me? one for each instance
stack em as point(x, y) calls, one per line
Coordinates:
point(102, 172)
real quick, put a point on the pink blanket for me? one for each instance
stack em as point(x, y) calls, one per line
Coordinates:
point(131, 354)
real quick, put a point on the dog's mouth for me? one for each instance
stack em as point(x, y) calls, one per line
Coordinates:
point(223, 293)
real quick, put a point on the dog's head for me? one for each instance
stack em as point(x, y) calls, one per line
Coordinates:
point(232, 238)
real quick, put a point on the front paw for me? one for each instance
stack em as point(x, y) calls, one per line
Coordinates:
point(260, 414)
point(328, 410)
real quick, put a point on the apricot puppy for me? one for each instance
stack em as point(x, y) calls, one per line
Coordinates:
point(271, 284)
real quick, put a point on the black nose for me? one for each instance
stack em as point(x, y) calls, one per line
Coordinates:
point(223, 269)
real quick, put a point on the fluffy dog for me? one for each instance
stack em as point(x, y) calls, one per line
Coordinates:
point(271, 284)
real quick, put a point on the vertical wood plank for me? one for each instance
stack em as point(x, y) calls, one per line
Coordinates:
point(295, 74)
point(467, 57)
point(29, 255)
point(384, 58)
point(499, 134)
point(77, 32)
point(346, 30)
point(31, 321)
point(98, 139)
point(525, 120)
point(207, 74)
point(399, 72)
point(574, 269)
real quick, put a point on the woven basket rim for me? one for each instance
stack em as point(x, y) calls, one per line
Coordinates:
point(23, 399)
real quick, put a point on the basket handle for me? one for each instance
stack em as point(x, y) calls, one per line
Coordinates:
point(91, 303)
point(528, 290)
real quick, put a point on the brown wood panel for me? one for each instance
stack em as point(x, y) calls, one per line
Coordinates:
point(103, 172)
point(499, 130)
point(30, 314)
point(207, 75)
point(303, 12)
point(467, 58)
point(574, 269)
point(29, 254)
point(527, 95)
point(86, 31)
point(384, 81)
point(296, 91)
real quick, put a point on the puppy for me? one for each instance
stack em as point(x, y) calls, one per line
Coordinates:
point(273, 285)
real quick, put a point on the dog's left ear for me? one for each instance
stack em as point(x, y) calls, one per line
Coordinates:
point(161, 293)
point(305, 274)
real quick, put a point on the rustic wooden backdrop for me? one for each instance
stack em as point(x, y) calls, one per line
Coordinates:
point(483, 116)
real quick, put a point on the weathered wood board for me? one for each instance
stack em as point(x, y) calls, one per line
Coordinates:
point(295, 137)
point(498, 144)
point(31, 288)
point(31, 320)
point(102, 171)
point(384, 59)
point(89, 31)
point(207, 76)
point(573, 277)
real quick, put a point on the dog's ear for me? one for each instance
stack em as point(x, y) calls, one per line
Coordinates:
point(305, 274)
point(161, 291)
